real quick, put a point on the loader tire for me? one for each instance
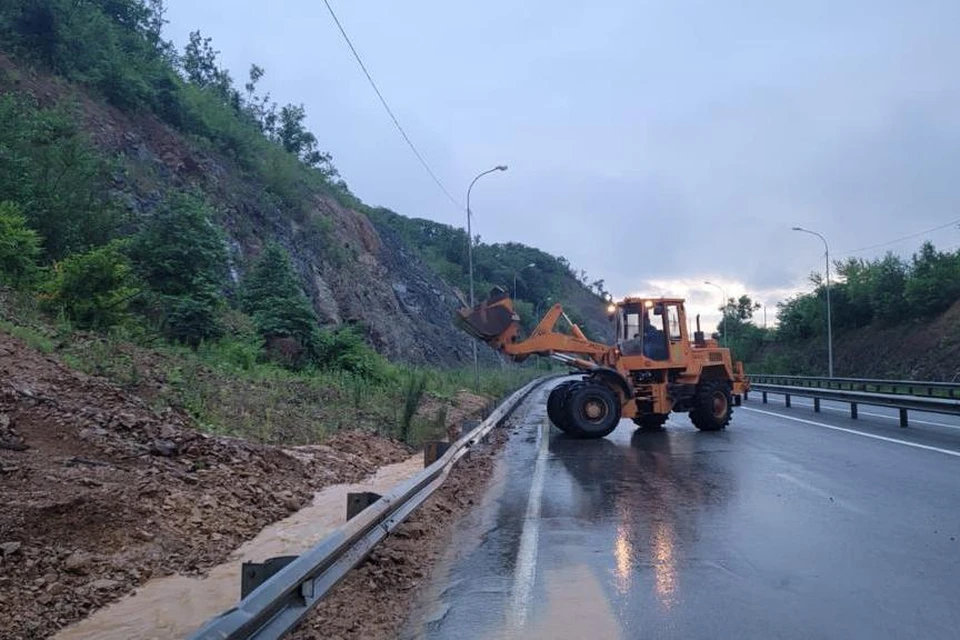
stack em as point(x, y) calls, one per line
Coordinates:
point(555, 405)
point(592, 410)
point(713, 406)
point(651, 421)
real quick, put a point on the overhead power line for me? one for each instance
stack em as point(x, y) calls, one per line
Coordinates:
point(909, 237)
point(389, 111)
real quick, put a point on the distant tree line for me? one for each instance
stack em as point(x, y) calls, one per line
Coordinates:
point(885, 291)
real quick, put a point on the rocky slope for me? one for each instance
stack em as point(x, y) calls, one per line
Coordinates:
point(354, 272)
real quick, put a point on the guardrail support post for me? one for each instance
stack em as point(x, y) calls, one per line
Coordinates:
point(853, 410)
point(816, 405)
point(357, 502)
point(786, 400)
point(903, 417)
point(433, 450)
point(254, 574)
point(764, 395)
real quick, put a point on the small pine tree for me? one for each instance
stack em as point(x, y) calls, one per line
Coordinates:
point(272, 295)
point(19, 248)
point(93, 288)
point(180, 252)
point(181, 255)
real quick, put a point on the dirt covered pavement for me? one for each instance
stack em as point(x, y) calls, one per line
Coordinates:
point(101, 493)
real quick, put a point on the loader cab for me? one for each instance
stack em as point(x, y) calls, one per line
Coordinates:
point(655, 328)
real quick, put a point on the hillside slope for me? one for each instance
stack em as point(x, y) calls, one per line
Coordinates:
point(354, 272)
point(911, 349)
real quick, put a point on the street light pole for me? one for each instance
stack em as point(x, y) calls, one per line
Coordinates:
point(473, 302)
point(726, 325)
point(826, 248)
point(516, 273)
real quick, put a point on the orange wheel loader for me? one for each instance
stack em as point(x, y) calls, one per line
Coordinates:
point(652, 369)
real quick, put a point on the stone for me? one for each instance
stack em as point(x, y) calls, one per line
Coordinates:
point(104, 584)
point(9, 548)
point(78, 563)
point(165, 448)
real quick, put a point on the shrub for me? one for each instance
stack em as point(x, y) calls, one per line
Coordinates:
point(19, 248)
point(92, 289)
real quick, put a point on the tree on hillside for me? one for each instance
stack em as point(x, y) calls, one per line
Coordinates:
point(181, 256)
point(59, 181)
point(271, 293)
point(934, 282)
point(19, 248)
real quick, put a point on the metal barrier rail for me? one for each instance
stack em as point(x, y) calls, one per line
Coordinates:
point(902, 402)
point(274, 608)
point(897, 387)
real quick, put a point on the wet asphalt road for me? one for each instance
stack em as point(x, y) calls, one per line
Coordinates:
point(783, 526)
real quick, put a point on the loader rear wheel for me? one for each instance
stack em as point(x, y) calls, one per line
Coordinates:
point(713, 406)
point(592, 410)
point(555, 405)
point(651, 421)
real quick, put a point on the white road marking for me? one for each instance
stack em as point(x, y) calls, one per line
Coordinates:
point(880, 415)
point(525, 571)
point(949, 452)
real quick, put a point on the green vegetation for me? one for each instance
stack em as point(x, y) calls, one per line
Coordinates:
point(93, 242)
point(19, 248)
point(885, 291)
point(881, 293)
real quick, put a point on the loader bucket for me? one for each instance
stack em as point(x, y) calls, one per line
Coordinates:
point(489, 320)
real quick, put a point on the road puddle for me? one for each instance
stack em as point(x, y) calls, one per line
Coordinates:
point(175, 606)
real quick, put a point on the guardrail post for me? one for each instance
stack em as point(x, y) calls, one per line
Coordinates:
point(764, 394)
point(357, 502)
point(816, 405)
point(853, 410)
point(433, 450)
point(903, 417)
point(786, 400)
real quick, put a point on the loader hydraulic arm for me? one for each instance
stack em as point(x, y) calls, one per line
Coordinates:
point(495, 322)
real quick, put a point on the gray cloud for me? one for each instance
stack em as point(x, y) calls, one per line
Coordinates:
point(647, 142)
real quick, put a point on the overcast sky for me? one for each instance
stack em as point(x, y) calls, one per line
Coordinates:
point(654, 144)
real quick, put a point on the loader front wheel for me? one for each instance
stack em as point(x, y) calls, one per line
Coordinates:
point(592, 410)
point(555, 405)
point(714, 406)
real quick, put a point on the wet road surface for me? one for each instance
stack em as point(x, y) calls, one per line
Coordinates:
point(789, 524)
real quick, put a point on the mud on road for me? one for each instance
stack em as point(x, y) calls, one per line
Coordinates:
point(101, 493)
point(375, 599)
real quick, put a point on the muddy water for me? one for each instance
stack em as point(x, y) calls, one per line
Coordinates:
point(175, 606)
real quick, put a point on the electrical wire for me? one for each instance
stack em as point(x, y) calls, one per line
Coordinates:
point(389, 111)
point(909, 237)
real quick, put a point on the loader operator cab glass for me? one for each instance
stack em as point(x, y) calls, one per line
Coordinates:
point(641, 332)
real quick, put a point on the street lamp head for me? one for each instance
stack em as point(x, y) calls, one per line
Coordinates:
point(708, 282)
point(501, 167)
point(798, 229)
point(531, 265)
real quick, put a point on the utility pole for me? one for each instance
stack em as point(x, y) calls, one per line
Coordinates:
point(826, 248)
point(473, 302)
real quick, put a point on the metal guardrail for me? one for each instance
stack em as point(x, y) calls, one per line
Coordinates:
point(275, 607)
point(901, 401)
point(896, 387)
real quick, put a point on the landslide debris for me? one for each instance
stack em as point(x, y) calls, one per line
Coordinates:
point(101, 492)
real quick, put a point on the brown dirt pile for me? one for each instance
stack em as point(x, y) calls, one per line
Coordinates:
point(374, 600)
point(100, 493)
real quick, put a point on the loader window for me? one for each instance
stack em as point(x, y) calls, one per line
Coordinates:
point(673, 321)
